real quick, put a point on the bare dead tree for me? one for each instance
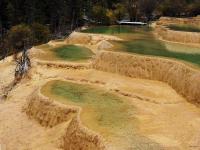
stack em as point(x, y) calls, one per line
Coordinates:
point(23, 64)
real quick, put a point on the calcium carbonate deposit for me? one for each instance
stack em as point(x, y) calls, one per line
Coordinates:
point(119, 90)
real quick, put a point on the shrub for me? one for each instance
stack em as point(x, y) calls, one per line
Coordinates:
point(20, 37)
point(99, 14)
point(111, 16)
point(41, 33)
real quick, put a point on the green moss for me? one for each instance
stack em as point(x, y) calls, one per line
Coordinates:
point(187, 28)
point(73, 53)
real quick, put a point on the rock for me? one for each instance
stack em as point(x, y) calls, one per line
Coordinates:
point(102, 45)
point(79, 38)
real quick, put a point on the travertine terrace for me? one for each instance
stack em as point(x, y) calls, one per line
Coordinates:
point(185, 80)
point(164, 94)
point(178, 36)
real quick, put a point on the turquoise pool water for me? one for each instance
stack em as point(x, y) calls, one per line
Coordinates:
point(141, 40)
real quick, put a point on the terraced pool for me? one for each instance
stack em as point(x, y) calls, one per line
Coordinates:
point(141, 40)
point(106, 113)
point(186, 28)
point(65, 52)
point(73, 53)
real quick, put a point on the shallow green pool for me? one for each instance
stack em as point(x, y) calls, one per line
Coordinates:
point(186, 28)
point(73, 53)
point(64, 52)
point(105, 105)
point(111, 116)
point(115, 29)
point(156, 48)
point(141, 40)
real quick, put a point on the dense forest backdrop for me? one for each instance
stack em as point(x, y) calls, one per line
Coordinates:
point(58, 13)
point(27, 22)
